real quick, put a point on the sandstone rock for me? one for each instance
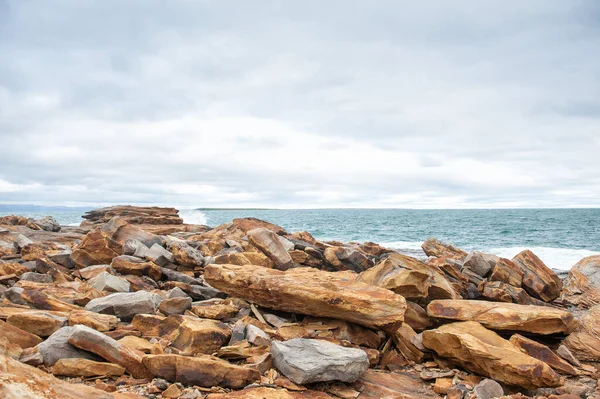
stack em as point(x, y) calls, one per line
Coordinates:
point(433, 247)
point(582, 285)
point(37, 277)
point(92, 271)
point(175, 305)
point(248, 224)
point(58, 347)
point(505, 316)
point(409, 277)
point(416, 317)
point(403, 338)
point(480, 263)
point(488, 389)
point(442, 385)
point(40, 324)
point(47, 223)
point(306, 361)
point(85, 338)
point(584, 342)
point(538, 280)
point(310, 291)
point(566, 354)
point(482, 351)
point(502, 292)
point(135, 215)
point(402, 385)
point(205, 371)
point(97, 247)
point(86, 368)
point(343, 258)
point(268, 242)
point(17, 336)
point(107, 282)
point(185, 255)
point(507, 272)
point(159, 255)
point(125, 305)
point(543, 353)
point(125, 264)
point(270, 393)
point(8, 268)
point(99, 322)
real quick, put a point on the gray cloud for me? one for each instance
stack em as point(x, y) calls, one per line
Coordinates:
point(299, 104)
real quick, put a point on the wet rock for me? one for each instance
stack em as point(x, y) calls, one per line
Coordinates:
point(507, 272)
point(268, 242)
point(86, 368)
point(480, 263)
point(538, 279)
point(310, 291)
point(505, 316)
point(543, 353)
point(159, 255)
point(58, 347)
point(582, 285)
point(584, 342)
point(488, 389)
point(125, 305)
point(107, 282)
point(17, 336)
point(482, 351)
point(39, 323)
point(306, 361)
point(438, 249)
point(205, 371)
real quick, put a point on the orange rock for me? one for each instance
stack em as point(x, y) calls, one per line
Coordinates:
point(543, 353)
point(40, 324)
point(17, 336)
point(538, 279)
point(507, 272)
point(86, 368)
point(584, 342)
point(401, 384)
point(582, 285)
point(433, 247)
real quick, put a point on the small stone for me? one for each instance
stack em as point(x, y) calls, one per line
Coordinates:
point(488, 389)
point(172, 392)
point(459, 391)
point(566, 354)
point(58, 347)
point(256, 336)
point(442, 385)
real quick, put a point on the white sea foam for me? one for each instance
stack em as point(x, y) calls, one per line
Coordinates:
point(193, 216)
point(556, 258)
point(412, 245)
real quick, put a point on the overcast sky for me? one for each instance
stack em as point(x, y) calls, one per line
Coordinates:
point(430, 104)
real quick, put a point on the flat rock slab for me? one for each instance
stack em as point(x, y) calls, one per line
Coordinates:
point(125, 305)
point(57, 347)
point(505, 316)
point(484, 352)
point(17, 336)
point(86, 368)
point(38, 323)
point(312, 292)
point(305, 361)
point(402, 384)
point(543, 353)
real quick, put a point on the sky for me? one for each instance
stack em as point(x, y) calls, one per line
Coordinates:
point(300, 104)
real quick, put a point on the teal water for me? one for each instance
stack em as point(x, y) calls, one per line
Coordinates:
point(560, 237)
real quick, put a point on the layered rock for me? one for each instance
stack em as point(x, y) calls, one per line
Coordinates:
point(584, 342)
point(538, 279)
point(86, 368)
point(125, 305)
point(438, 249)
point(312, 292)
point(543, 353)
point(135, 215)
point(582, 285)
point(269, 243)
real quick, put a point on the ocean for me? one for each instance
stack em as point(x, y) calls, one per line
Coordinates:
point(560, 237)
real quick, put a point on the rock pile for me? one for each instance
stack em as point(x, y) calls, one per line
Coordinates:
point(136, 304)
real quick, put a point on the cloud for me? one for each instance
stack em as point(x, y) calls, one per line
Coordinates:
point(311, 104)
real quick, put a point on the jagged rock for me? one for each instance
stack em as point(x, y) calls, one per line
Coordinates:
point(482, 351)
point(268, 242)
point(126, 264)
point(566, 354)
point(135, 215)
point(310, 291)
point(22, 241)
point(416, 317)
point(582, 285)
point(172, 306)
point(99, 322)
point(248, 224)
point(85, 338)
point(480, 263)
point(538, 279)
point(9, 268)
point(488, 389)
point(505, 316)
point(403, 338)
point(125, 305)
point(343, 258)
point(47, 223)
point(107, 282)
point(159, 255)
point(438, 249)
point(17, 336)
point(86, 368)
point(37, 277)
point(402, 385)
point(185, 255)
point(92, 271)
point(409, 277)
point(507, 272)
point(543, 353)
point(58, 347)
point(270, 393)
point(305, 361)
point(38, 323)
point(584, 342)
point(205, 371)
point(503, 292)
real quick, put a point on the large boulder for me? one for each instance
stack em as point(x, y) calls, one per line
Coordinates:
point(538, 279)
point(484, 352)
point(305, 361)
point(439, 249)
point(344, 258)
point(584, 342)
point(506, 271)
point(505, 316)
point(107, 282)
point(57, 347)
point(134, 215)
point(269, 243)
point(480, 263)
point(582, 285)
point(125, 305)
point(312, 292)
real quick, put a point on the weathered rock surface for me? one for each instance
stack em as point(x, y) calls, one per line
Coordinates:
point(538, 279)
point(268, 242)
point(402, 385)
point(126, 264)
point(125, 305)
point(480, 263)
point(344, 258)
point(57, 347)
point(438, 249)
point(39, 323)
point(107, 282)
point(86, 368)
point(482, 351)
point(584, 342)
point(488, 389)
point(507, 272)
point(135, 215)
point(310, 291)
point(305, 361)
point(20, 337)
point(505, 316)
point(157, 254)
point(582, 285)
point(543, 353)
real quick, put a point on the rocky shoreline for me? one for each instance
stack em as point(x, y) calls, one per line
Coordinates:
point(136, 304)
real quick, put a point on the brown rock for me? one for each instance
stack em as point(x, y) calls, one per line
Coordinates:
point(216, 311)
point(172, 392)
point(344, 258)
point(86, 368)
point(92, 271)
point(310, 291)
point(205, 371)
point(401, 384)
point(97, 321)
point(268, 242)
point(582, 285)
point(505, 316)
point(403, 338)
point(442, 385)
point(10, 349)
point(584, 343)
point(543, 353)
point(139, 344)
point(12, 268)
point(247, 224)
point(433, 247)
point(269, 393)
point(410, 278)
point(538, 280)
point(482, 351)
point(503, 292)
point(85, 338)
point(507, 272)
point(17, 336)
point(96, 248)
point(178, 305)
point(126, 264)
point(416, 317)
point(40, 324)
point(135, 215)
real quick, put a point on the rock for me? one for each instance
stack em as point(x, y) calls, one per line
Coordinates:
point(37, 277)
point(256, 336)
point(97, 247)
point(175, 305)
point(107, 282)
point(205, 371)
point(505, 316)
point(480, 263)
point(484, 352)
point(507, 272)
point(403, 339)
point(502, 292)
point(159, 255)
point(488, 389)
point(38, 323)
point(131, 246)
point(582, 285)
point(402, 385)
point(86, 368)
point(416, 317)
point(125, 264)
point(99, 322)
point(459, 391)
point(438, 249)
point(409, 277)
point(312, 292)
point(305, 361)
point(21, 241)
point(58, 347)
point(268, 242)
point(48, 223)
point(177, 293)
point(538, 280)
point(442, 385)
point(584, 342)
point(125, 305)
point(343, 258)
point(270, 393)
point(185, 255)
point(566, 354)
point(85, 338)
point(92, 271)
point(543, 353)
point(17, 336)
point(248, 224)
point(135, 215)
point(8, 268)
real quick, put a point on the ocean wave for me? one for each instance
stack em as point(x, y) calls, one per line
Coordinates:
point(556, 258)
point(410, 245)
point(193, 216)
